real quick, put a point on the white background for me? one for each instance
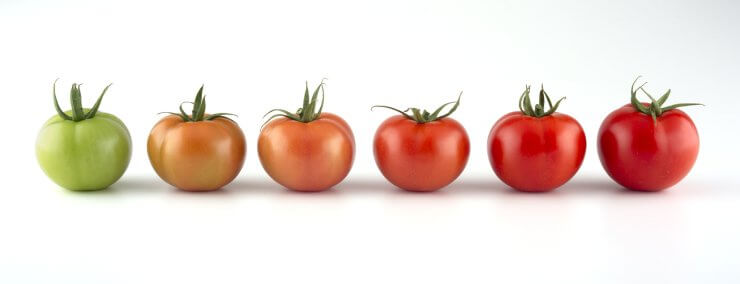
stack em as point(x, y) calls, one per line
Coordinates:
point(254, 56)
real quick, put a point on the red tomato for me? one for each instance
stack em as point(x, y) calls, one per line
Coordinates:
point(421, 151)
point(536, 151)
point(648, 147)
point(646, 155)
point(536, 154)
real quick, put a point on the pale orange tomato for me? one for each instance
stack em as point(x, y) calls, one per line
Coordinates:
point(309, 150)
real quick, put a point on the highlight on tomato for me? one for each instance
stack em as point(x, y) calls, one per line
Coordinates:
point(309, 150)
point(83, 149)
point(648, 146)
point(421, 151)
point(197, 151)
point(534, 149)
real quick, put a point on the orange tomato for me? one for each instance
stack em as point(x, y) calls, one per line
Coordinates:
point(307, 156)
point(197, 155)
point(309, 150)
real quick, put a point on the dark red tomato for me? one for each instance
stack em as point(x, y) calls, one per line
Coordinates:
point(421, 151)
point(536, 151)
point(646, 155)
point(648, 147)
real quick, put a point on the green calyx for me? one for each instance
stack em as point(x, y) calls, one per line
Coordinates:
point(75, 97)
point(655, 108)
point(199, 110)
point(307, 112)
point(525, 104)
point(423, 116)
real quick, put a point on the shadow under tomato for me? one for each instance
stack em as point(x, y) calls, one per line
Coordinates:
point(252, 186)
point(143, 185)
point(471, 186)
point(138, 185)
point(380, 186)
point(270, 187)
point(364, 185)
point(583, 186)
point(477, 186)
point(127, 185)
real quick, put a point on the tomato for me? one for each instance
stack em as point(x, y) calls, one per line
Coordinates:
point(648, 147)
point(309, 150)
point(421, 151)
point(197, 152)
point(536, 151)
point(83, 149)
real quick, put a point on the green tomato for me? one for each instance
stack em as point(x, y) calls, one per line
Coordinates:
point(83, 149)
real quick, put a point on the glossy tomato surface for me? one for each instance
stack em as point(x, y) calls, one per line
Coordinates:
point(646, 155)
point(84, 155)
point(196, 155)
point(536, 154)
point(307, 156)
point(421, 156)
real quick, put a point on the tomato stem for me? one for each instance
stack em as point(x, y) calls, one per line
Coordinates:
point(307, 112)
point(655, 107)
point(424, 116)
point(525, 103)
point(75, 98)
point(199, 110)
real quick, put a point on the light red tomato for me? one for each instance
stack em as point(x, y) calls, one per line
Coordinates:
point(421, 151)
point(421, 156)
point(536, 151)
point(646, 154)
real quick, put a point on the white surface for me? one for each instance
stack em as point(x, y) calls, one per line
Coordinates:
point(256, 56)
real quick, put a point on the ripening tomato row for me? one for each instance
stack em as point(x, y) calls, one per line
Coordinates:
point(642, 146)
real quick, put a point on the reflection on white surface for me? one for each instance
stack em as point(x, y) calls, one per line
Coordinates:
point(589, 230)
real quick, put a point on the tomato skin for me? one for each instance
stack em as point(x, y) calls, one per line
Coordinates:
point(91, 154)
point(421, 157)
point(533, 154)
point(308, 157)
point(644, 155)
point(196, 156)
